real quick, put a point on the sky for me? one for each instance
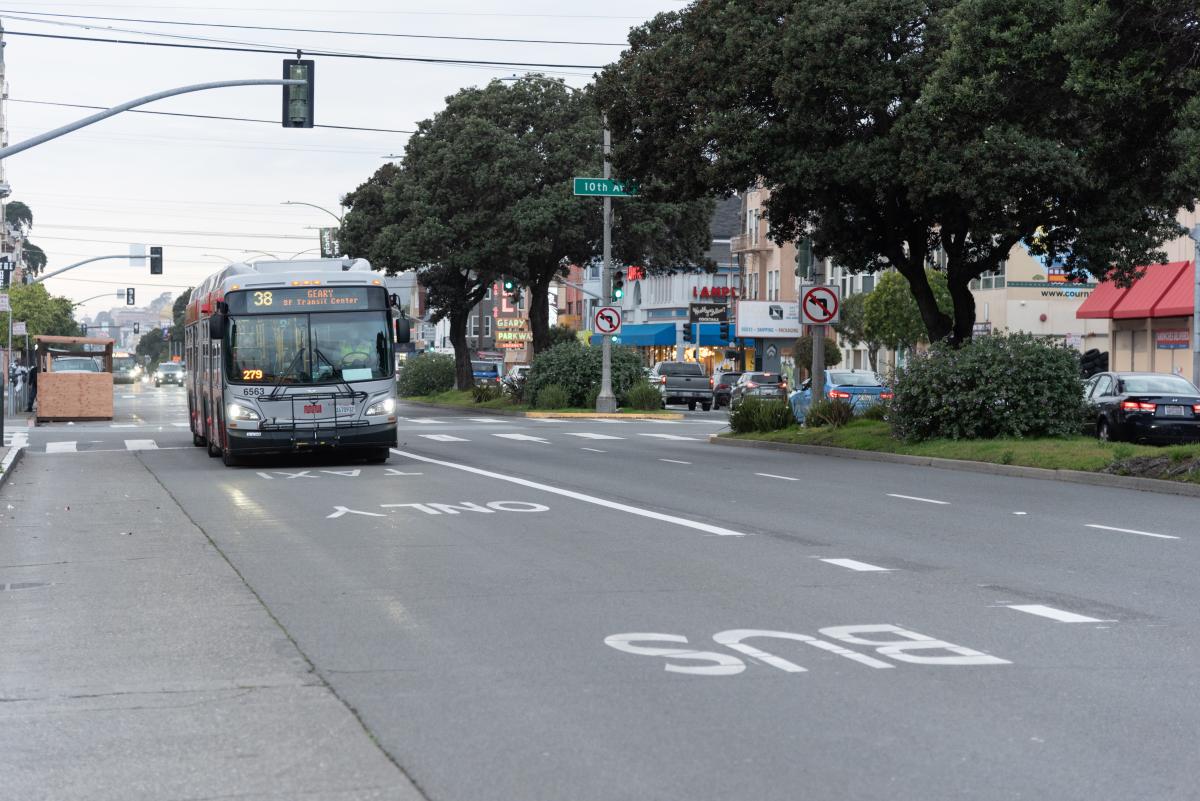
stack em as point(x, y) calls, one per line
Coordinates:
point(209, 191)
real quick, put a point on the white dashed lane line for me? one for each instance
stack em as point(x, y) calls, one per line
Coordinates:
point(854, 564)
point(1060, 615)
point(584, 435)
point(1131, 531)
point(772, 475)
point(915, 498)
point(443, 438)
point(674, 461)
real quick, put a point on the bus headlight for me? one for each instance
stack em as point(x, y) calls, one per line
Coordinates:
point(237, 411)
point(385, 406)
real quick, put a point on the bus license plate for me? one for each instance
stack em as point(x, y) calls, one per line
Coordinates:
point(1173, 411)
point(343, 409)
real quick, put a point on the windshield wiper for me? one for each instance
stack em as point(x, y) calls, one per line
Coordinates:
point(291, 366)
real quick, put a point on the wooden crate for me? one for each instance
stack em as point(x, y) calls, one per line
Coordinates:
point(75, 396)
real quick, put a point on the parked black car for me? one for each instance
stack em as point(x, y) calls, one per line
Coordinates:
point(722, 385)
point(768, 386)
point(1144, 407)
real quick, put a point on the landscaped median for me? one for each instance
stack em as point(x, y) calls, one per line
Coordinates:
point(1072, 458)
point(464, 400)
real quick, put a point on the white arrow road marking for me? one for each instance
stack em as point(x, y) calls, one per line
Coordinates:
point(60, 447)
point(339, 511)
point(444, 438)
point(141, 445)
point(915, 498)
point(523, 438)
point(1131, 531)
point(854, 564)
point(668, 436)
point(579, 496)
point(590, 436)
point(1055, 614)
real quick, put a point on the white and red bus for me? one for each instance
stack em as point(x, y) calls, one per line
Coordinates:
point(292, 356)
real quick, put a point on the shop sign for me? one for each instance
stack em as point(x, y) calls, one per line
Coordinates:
point(714, 292)
point(512, 332)
point(770, 319)
point(1173, 339)
point(707, 313)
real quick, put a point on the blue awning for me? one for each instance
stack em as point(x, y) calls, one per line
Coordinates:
point(644, 336)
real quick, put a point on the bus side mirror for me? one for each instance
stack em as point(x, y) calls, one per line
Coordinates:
point(216, 325)
point(403, 331)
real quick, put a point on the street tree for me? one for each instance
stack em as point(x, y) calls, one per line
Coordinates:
point(852, 326)
point(35, 258)
point(42, 312)
point(18, 216)
point(178, 311)
point(528, 139)
point(151, 347)
point(890, 314)
point(803, 354)
point(890, 131)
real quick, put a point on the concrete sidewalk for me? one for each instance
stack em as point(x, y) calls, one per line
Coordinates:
point(136, 663)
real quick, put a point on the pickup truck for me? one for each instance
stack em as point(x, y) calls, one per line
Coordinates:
point(682, 382)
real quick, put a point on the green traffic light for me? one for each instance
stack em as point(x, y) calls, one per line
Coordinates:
point(618, 293)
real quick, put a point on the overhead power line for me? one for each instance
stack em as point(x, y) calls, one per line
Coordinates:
point(314, 30)
point(234, 235)
point(210, 116)
point(322, 53)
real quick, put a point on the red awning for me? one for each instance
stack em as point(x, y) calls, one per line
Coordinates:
point(1147, 291)
point(1177, 301)
point(1100, 303)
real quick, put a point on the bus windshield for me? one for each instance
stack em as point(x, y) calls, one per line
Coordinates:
point(309, 348)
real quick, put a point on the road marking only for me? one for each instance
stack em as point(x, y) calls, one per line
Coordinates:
point(915, 498)
point(590, 436)
point(1060, 615)
point(579, 496)
point(674, 461)
point(668, 436)
point(854, 564)
point(60, 447)
point(772, 475)
point(1131, 531)
point(444, 438)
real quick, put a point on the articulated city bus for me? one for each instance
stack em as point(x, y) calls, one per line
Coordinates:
point(291, 356)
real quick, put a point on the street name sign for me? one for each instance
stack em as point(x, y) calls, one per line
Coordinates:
point(604, 187)
point(607, 320)
point(820, 305)
point(19, 329)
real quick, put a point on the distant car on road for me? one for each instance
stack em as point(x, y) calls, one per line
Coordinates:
point(1144, 407)
point(125, 369)
point(74, 364)
point(682, 382)
point(767, 386)
point(860, 388)
point(722, 384)
point(169, 373)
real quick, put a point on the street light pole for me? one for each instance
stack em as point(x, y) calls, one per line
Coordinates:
point(606, 401)
point(313, 206)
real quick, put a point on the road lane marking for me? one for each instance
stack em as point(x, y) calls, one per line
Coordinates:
point(1055, 614)
point(1131, 531)
point(854, 564)
point(915, 498)
point(444, 438)
point(589, 436)
point(486, 420)
point(423, 420)
point(141, 445)
point(674, 461)
point(60, 447)
point(593, 450)
point(579, 496)
point(668, 436)
point(523, 438)
point(772, 475)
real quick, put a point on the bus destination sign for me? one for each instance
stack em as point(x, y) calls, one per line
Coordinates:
point(307, 299)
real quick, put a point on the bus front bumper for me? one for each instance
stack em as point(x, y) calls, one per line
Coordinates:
point(302, 440)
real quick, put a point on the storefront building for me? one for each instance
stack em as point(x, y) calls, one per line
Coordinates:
point(1150, 323)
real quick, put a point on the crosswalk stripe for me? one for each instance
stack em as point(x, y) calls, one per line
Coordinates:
point(667, 436)
point(444, 438)
point(419, 419)
point(523, 438)
point(486, 420)
point(585, 435)
point(60, 447)
point(141, 445)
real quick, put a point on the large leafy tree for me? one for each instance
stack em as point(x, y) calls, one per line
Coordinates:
point(507, 154)
point(42, 312)
point(890, 316)
point(889, 129)
point(178, 309)
point(19, 218)
point(852, 325)
point(152, 347)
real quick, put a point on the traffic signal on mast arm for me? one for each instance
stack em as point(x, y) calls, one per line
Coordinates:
point(129, 296)
point(687, 332)
point(618, 285)
point(137, 327)
point(724, 330)
point(156, 260)
point(298, 100)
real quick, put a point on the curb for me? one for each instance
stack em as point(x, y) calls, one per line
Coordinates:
point(10, 462)
point(1016, 471)
point(543, 415)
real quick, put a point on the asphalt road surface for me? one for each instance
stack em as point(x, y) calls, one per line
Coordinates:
point(526, 609)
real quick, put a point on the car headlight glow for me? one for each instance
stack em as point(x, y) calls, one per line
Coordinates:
point(237, 411)
point(385, 406)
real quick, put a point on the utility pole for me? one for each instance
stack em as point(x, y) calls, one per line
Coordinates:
point(818, 338)
point(1195, 234)
point(606, 401)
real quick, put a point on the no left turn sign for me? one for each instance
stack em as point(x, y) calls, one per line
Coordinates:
point(608, 320)
point(819, 305)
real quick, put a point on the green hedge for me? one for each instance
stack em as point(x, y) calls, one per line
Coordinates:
point(576, 368)
point(756, 414)
point(643, 396)
point(426, 374)
point(1004, 385)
